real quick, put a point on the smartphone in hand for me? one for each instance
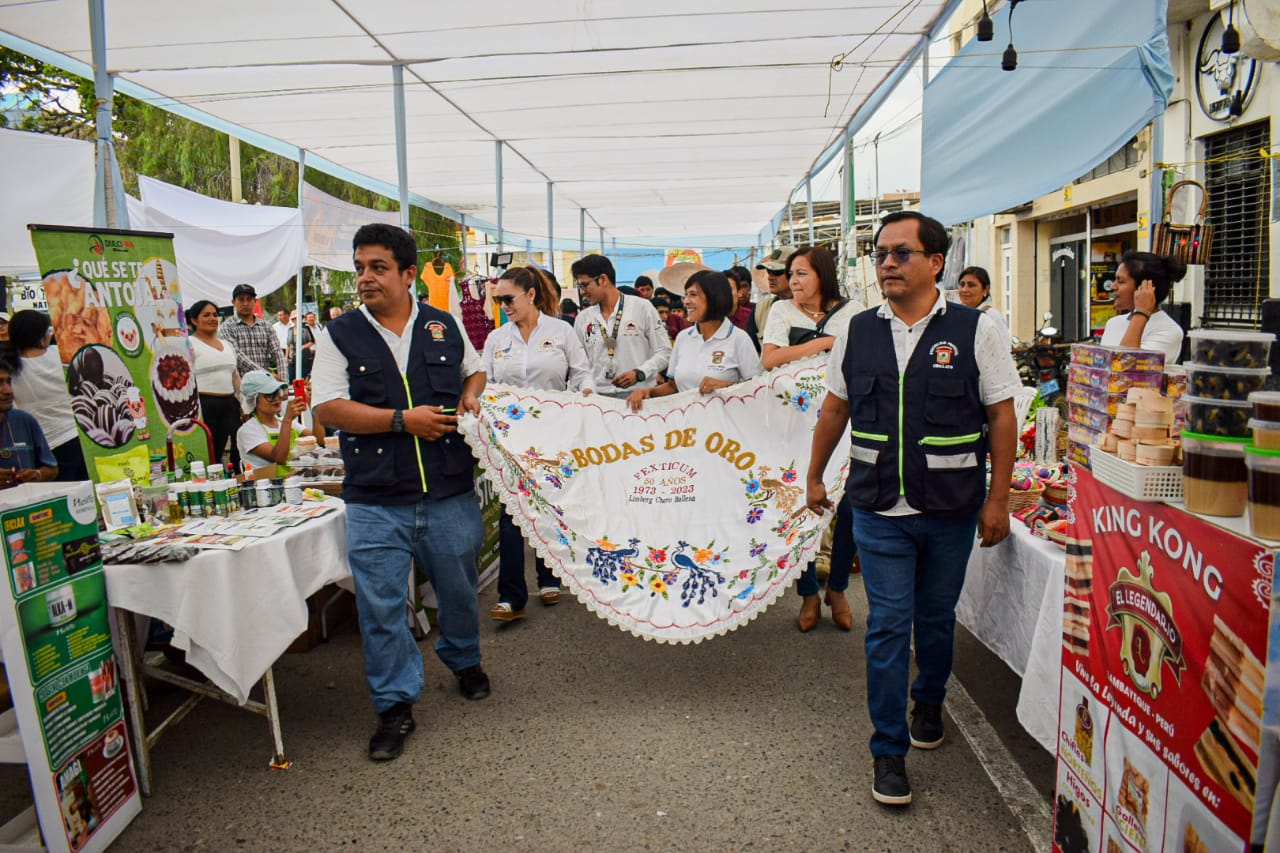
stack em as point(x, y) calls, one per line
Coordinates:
point(300, 390)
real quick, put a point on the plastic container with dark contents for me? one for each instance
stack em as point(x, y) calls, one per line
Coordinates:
point(1266, 405)
point(1214, 477)
point(1230, 348)
point(1264, 491)
point(1224, 383)
point(1227, 418)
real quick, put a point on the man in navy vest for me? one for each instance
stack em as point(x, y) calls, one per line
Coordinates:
point(927, 386)
point(391, 377)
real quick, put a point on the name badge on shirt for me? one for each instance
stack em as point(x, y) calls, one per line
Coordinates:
point(436, 330)
point(717, 357)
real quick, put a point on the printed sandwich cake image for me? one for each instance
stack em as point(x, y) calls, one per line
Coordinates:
point(1233, 680)
point(1075, 603)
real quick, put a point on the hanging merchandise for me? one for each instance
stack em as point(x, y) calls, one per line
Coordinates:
point(437, 276)
point(472, 298)
point(1188, 243)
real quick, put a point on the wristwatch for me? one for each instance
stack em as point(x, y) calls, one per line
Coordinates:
point(397, 420)
point(640, 377)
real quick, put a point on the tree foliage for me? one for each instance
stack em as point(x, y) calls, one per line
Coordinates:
point(159, 144)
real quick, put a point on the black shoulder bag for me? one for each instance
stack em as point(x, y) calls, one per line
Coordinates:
point(796, 336)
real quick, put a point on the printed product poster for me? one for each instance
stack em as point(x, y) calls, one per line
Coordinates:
point(678, 523)
point(1164, 633)
point(120, 328)
point(62, 671)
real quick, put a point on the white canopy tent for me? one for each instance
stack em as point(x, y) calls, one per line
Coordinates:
point(654, 118)
point(46, 179)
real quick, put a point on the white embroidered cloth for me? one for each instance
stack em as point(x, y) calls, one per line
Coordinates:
point(676, 523)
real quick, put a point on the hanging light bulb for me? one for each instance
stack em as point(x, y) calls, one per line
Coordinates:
point(986, 29)
point(1231, 36)
point(1010, 59)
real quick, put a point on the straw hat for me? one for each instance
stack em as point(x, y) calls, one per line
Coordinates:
point(674, 277)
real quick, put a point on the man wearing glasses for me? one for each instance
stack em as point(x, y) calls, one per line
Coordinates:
point(775, 267)
point(393, 377)
point(626, 342)
point(928, 386)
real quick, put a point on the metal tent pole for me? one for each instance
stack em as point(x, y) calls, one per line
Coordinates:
point(582, 231)
point(109, 209)
point(808, 203)
point(551, 231)
point(463, 225)
point(497, 170)
point(402, 152)
point(602, 241)
point(297, 325)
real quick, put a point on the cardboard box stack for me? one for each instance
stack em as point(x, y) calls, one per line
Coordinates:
point(1098, 384)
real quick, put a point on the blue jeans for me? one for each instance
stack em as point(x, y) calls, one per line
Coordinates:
point(843, 550)
point(445, 536)
point(912, 569)
point(512, 587)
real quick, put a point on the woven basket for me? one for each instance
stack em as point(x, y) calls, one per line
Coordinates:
point(1019, 499)
point(1056, 493)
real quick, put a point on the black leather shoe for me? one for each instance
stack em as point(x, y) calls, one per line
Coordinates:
point(891, 786)
point(394, 725)
point(926, 726)
point(472, 681)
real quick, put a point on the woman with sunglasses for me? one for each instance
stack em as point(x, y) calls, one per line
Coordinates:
point(807, 325)
point(269, 434)
point(536, 350)
point(217, 378)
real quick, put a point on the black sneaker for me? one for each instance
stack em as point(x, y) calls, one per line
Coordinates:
point(472, 681)
point(926, 726)
point(394, 725)
point(891, 786)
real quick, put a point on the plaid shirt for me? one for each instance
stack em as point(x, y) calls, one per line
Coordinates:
point(257, 347)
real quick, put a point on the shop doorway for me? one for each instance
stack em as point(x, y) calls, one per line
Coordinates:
point(1067, 285)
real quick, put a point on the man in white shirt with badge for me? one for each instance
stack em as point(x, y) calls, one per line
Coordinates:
point(626, 341)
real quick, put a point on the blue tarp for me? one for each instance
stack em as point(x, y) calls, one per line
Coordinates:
point(1090, 74)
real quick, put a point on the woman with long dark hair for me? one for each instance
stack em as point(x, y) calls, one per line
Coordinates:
point(803, 326)
point(974, 290)
point(535, 350)
point(217, 379)
point(40, 389)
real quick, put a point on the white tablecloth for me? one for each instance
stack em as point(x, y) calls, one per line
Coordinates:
point(1003, 590)
point(235, 612)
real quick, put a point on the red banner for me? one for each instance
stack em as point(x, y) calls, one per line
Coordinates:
point(1164, 648)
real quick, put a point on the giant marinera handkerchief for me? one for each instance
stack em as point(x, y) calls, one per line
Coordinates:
point(677, 523)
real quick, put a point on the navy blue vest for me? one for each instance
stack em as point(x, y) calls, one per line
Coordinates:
point(398, 468)
point(924, 435)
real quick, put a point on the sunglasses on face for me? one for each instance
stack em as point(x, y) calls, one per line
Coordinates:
point(505, 299)
point(900, 255)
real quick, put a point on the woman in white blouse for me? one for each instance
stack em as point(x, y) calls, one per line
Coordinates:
point(712, 353)
point(974, 290)
point(807, 325)
point(217, 379)
point(1143, 282)
point(40, 389)
point(535, 350)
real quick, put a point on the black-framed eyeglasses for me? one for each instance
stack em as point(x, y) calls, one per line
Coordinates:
point(901, 254)
point(505, 299)
point(584, 283)
point(275, 396)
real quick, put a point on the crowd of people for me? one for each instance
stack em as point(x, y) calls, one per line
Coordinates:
point(923, 385)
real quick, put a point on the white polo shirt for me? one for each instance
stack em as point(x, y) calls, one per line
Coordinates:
point(553, 359)
point(329, 371)
point(642, 342)
point(726, 355)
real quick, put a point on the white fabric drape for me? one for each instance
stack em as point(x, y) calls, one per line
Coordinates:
point(47, 180)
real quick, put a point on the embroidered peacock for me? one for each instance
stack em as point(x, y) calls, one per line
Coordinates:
point(605, 563)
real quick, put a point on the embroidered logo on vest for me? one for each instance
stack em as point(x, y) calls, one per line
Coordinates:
point(436, 328)
point(944, 354)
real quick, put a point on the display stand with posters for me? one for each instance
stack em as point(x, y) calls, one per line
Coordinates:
point(1165, 625)
point(61, 668)
point(121, 331)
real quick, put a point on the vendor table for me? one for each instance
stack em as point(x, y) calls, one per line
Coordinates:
point(233, 613)
point(1004, 589)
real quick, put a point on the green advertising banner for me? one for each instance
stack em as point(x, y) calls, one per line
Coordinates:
point(121, 331)
point(56, 642)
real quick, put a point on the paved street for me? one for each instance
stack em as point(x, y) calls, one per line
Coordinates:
point(593, 739)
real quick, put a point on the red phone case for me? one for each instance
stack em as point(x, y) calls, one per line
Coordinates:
point(300, 389)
